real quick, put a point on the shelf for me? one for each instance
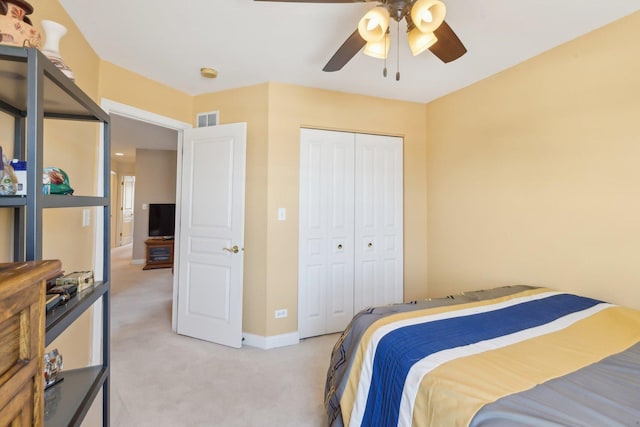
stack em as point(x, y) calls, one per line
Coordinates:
point(67, 402)
point(62, 98)
point(56, 201)
point(12, 201)
point(64, 315)
point(66, 201)
point(33, 89)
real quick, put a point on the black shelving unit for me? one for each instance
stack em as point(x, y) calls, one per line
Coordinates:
point(32, 89)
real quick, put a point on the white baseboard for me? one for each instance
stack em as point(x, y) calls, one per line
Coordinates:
point(138, 261)
point(273, 341)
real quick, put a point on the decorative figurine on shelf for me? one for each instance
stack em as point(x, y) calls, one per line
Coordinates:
point(53, 33)
point(52, 367)
point(8, 179)
point(15, 26)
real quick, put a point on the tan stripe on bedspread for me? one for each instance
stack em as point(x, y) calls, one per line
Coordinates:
point(451, 394)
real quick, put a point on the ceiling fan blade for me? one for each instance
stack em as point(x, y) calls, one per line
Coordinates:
point(349, 48)
point(449, 47)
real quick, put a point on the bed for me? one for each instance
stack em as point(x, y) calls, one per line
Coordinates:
point(509, 356)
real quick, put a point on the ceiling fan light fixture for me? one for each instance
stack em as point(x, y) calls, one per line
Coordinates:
point(428, 15)
point(374, 24)
point(419, 41)
point(378, 49)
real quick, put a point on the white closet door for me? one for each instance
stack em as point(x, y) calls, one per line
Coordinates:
point(326, 242)
point(378, 221)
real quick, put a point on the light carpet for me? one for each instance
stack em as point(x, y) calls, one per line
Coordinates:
point(159, 378)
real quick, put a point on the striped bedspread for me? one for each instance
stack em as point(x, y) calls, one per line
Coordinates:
point(490, 361)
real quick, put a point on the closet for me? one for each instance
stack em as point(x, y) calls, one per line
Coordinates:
point(351, 230)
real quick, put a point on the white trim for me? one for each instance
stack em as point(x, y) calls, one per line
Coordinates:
point(138, 261)
point(134, 113)
point(142, 115)
point(176, 249)
point(270, 342)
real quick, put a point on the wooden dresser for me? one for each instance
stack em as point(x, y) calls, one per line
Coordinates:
point(22, 312)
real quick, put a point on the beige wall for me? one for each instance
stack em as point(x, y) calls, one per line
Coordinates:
point(275, 113)
point(155, 183)
point(533, 174)
point(74, 49)
point(127, 87)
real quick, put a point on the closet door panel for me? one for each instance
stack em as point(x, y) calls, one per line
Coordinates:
point(393, 209)
point(326, 215)
point(312, 245)
point(339, 205)
point(315, 277)
point(378, 226)
point(365, 286)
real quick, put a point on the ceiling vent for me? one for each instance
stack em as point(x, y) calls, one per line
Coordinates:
point(208, 119)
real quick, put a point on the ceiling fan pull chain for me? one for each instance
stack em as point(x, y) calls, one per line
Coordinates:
point(398, 52)
point(384, 72)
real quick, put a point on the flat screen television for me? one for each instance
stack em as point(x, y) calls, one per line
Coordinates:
point(162, 219)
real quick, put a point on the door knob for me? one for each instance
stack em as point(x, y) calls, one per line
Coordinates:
point(233, 250)
point(370, 245)
point(340, 246)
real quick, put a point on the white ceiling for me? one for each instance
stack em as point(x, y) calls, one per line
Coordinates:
point(127, 135)
point(252, 42)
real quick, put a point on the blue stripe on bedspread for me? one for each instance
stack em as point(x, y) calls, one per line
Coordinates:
point(400, 349)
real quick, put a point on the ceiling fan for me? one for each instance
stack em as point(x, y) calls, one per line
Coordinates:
point(426, 29)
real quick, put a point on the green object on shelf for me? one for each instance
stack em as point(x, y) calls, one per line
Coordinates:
point(58, 181)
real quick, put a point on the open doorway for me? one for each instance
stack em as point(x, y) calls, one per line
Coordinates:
point(135, 131)
point(144, 165)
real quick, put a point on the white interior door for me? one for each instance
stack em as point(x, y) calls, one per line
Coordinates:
point(128, 195)
point(378, 221)
point(326, 245)
point(211, 242)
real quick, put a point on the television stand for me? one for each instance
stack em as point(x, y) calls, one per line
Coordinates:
point(159, 253)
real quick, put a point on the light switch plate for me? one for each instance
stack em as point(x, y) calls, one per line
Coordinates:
point(86, 217)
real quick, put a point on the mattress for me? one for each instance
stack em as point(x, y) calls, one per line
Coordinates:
point(506, 356)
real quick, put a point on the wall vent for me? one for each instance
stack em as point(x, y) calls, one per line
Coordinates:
point(208, 119)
